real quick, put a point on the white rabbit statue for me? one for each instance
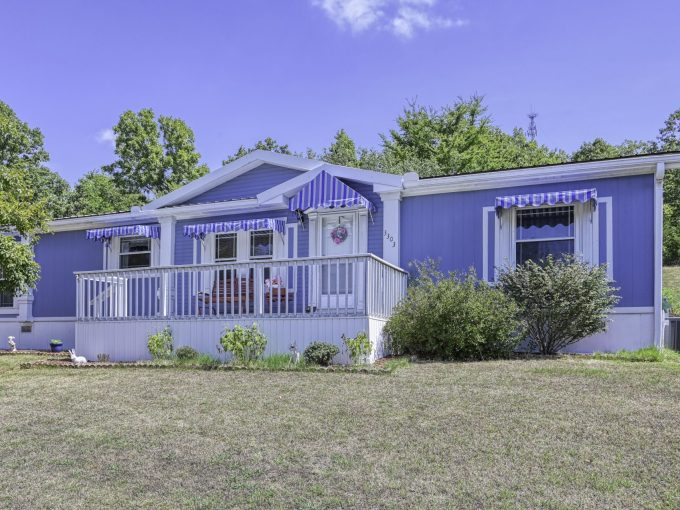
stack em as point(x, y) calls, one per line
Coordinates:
point(77, 359)
point(12, 344)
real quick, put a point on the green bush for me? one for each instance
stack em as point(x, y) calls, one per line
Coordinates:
point(671, 303)
point(320, 353)
point(561, 300)
point(55, 341)
point(245, 344)
point(160, 344)
point(454, 316)
point(206, 361)
point(185, 353)
point(359, 347)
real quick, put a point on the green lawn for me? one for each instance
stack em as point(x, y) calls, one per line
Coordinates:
point(671, 278)
point(566, 433)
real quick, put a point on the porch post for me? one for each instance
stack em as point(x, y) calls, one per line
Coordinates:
point(658, 254)
point(391, 226)
point(167, 258)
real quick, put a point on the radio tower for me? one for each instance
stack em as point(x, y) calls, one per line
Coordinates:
point(532, 131)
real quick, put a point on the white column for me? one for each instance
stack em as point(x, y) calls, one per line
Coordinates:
point(167, 255)
point(658, 253)
point(391, 225)
point(167, 258)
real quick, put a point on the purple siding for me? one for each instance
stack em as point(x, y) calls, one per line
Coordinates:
point(247, 185)
point(59, 255)
point(448, 227)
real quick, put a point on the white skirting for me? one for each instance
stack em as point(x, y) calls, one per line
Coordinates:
point(42, 331)
point(127, 340)
point(630, 329)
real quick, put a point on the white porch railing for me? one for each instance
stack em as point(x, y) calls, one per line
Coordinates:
point(323, 286)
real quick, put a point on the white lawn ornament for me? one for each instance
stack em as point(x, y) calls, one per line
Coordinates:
point(294, 353)
point(79, 360)
point(12, 344)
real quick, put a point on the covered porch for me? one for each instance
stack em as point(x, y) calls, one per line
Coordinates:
point(294, 301)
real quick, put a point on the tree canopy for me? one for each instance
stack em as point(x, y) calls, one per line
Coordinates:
point(155, 156)
point(268, 144)
point(97, 193)
point(23, 213)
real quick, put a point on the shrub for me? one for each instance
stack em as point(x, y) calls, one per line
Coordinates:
point(206, 361)
point(561, 300)
point(185, 353)
point(359, 347)
point(454, 316)
point(103, 358)
point(54, 341)
point(320, 353)
point(671, 303)
point(160, 344)
point(245, 344)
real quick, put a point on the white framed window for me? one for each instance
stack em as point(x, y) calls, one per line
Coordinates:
point(533, 233)
point(261, 244)
point(134, 252)
point(544, 231)
point(226, 247)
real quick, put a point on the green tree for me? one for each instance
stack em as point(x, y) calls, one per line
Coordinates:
point(342, 151)
point(54, 189)
point(22, 211)
point(669, 140)
point(268, 144)
point(154, 156)
point(597, 149)
point(97, 193)
point(458, 139)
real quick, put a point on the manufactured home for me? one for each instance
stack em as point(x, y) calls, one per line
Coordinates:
point(311, 251)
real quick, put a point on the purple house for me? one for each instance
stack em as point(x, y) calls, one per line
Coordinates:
point(311, 251)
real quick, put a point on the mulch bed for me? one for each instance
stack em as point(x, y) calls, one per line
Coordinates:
point(6, 352)
point(65, 363)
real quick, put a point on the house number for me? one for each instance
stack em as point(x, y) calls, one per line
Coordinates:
point(390, 238)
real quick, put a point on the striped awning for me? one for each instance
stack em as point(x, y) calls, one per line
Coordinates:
point(200, 230)
point(552, 198)
point(104, 234)
point(327, 192)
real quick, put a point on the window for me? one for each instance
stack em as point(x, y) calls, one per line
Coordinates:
point(226, 247)
point(6, 300)
point(261, 244)
point(135, 252)
point(544, 231)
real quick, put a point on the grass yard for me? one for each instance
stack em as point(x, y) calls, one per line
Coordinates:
point(671, 277)
point(567, 433)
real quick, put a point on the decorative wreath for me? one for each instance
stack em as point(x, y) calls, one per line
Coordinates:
point(339, 234)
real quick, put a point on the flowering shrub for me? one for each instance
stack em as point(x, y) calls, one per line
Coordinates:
point(245, 344)
point(160, 344)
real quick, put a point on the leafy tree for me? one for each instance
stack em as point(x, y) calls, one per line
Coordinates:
point(597, 149)
point(561, 300)
point(669, 140)
point(268, 144)
point(22, 211)
point(154, 156)
point(342, 151)
point(97, 193)
point(458, 139)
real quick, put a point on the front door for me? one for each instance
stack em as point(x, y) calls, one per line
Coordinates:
point(338, 277)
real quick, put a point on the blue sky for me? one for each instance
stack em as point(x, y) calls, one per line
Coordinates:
point(299, 70)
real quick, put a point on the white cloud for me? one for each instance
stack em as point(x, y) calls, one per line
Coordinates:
point(401, 17)
point(106, 136)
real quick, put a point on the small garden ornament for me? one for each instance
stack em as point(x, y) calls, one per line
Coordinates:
point(12, 344)
point(295, 354)
point(78, 360)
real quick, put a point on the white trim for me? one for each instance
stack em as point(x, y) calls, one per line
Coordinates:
point(485, 241)
point(167, 242)
point(391, 226)
point(540, 175)
point(609, 232)
point(231, 171)
point(632, 309)
point(658, 254)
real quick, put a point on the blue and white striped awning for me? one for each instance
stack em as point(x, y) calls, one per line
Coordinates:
point(553, 198)
point(200, 230)
point(327, 192)
point(104, 234)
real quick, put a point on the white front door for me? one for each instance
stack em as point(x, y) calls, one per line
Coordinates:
point(338, 278)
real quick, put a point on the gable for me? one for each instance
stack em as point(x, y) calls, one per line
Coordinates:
point(247, 185)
